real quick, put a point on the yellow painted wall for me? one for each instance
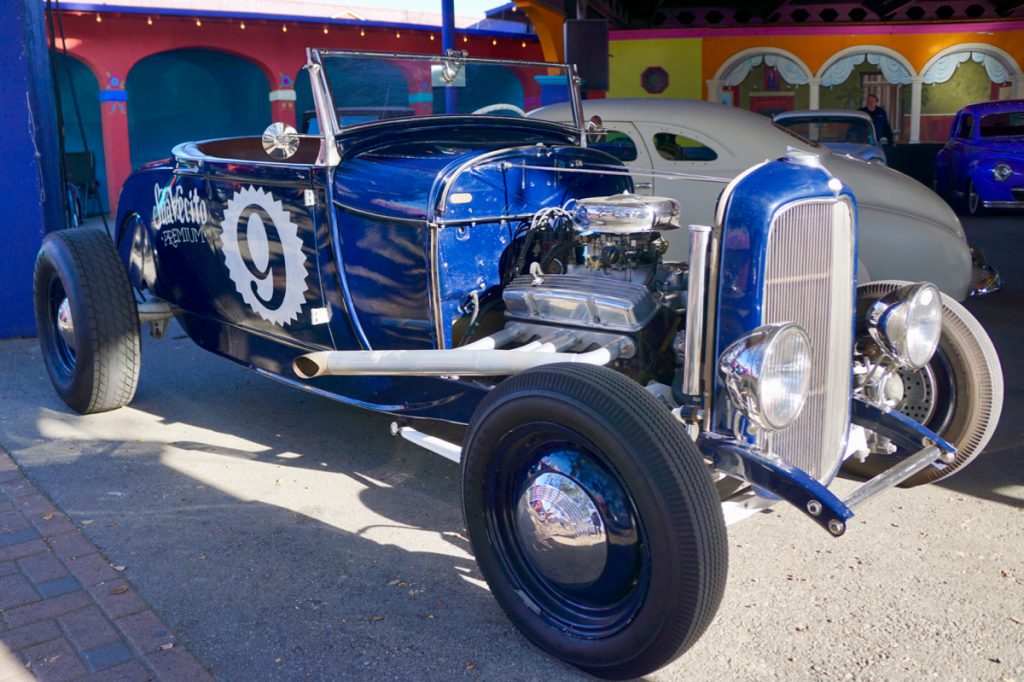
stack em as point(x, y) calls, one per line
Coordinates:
point(680, 57)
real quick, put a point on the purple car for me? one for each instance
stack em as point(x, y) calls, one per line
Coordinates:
point(982, 164)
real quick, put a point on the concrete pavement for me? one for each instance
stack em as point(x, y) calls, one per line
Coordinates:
point(285, 537)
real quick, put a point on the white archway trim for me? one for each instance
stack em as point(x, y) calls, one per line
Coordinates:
point(866, 50)
point(941, 59)
point(741, 57)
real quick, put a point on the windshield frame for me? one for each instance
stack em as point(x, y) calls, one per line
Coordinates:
point(324, 102)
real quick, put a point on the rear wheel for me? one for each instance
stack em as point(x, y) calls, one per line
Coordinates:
point(87, 321)
point(959, 394)
point(594, 519)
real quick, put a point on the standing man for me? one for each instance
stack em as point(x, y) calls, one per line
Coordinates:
point(880, 119)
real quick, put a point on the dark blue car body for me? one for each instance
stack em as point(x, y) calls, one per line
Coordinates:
point(983, 161)
point(622, 408)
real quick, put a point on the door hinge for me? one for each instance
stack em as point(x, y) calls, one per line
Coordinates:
point(320, 315)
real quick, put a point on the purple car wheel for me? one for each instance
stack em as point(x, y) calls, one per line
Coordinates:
point(594, 519)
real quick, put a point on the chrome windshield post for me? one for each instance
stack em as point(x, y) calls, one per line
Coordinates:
point(577, 102)
point(326, 118)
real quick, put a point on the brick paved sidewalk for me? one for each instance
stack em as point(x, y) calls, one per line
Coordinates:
point(65, 612)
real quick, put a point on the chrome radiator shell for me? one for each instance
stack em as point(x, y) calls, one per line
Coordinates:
point(809, 270)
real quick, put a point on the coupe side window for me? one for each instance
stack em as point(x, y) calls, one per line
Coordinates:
point(618, 144)
point(966, 123)
point(682, 148)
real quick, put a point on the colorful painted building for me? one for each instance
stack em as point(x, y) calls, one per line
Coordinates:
point(922, 73)
point(148, 77)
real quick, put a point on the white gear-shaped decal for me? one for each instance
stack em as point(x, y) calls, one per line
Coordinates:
point(256, 291)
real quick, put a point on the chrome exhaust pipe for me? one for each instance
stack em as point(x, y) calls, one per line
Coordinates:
point(459, 362)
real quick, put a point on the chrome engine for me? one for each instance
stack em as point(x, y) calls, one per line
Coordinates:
point(610, 275)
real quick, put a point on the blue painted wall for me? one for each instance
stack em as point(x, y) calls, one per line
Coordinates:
point(29, 170)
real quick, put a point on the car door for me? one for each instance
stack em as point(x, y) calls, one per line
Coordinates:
point(958, 153)
point(623, 140)
point(683, 150)
point(249, 278)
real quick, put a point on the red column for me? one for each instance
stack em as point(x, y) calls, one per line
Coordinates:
point(282, 105)
point(114, 119)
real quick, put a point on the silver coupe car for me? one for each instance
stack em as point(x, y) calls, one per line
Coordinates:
point(689, 150)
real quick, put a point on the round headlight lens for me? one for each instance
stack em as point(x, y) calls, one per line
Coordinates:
point(1002, 172)
point(785, 377)
point(907, 324)
point(767, 374)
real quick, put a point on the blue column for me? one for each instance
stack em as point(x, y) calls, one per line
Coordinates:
point(448, 43)
point(29, 159)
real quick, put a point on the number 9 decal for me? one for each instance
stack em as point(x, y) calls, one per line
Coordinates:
point(262, 247)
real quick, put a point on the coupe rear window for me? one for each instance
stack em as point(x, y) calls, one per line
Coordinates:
point(850, 130)
point(1005, 124)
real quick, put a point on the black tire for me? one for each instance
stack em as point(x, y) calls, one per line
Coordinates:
point(629, 606)
point(973, 201)
point(94, 365)
point(959, 395)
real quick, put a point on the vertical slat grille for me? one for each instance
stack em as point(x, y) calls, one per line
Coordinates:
point(808, 280)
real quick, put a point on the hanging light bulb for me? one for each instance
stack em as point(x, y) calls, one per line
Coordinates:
point(465, 39)
point(99, 19)
point(494, 41)
point(284, 28)
point(325, 30)
point(431, 37)
point(397, 34)
point(149, 21)
point(362, 33)
point(242, 26)
point(199, 23)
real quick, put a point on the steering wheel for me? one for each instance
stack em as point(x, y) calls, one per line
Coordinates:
point(498, 107)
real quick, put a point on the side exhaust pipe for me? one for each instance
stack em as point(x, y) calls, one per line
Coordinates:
point(462, 362)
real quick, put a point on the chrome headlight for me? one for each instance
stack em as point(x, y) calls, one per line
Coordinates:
point(907, 323)
point(767, 373)
point(1002, 172)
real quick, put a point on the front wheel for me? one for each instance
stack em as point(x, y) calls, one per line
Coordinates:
point(594, 519)
point(958, 394)
point(974, 205)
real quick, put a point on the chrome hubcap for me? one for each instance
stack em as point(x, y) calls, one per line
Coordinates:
point(65, 325)
point(561, 530)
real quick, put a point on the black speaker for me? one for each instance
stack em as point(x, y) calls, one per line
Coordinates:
point(586, 46)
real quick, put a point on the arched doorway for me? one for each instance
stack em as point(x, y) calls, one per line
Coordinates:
point(959, 76)
point(78, 84)
point(851, 75)
point(765, 80)
point(192, 94)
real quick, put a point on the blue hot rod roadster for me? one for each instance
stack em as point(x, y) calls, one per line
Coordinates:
point(472, 265)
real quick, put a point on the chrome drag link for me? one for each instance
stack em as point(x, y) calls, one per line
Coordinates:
point(898, 473)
